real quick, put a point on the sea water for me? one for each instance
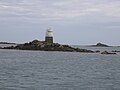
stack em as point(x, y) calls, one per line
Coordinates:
point(45, 70)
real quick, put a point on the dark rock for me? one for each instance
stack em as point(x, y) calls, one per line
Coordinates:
point(115, 51)
point(97, 51)
point(105, 52)
point(100, 45)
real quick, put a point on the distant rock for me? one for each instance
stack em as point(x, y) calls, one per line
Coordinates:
point(100, 45)
point(97, 51)
point(115, 51)
point(44, 46)
point(105, 52)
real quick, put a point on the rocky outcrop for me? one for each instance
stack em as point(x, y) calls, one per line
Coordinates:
point(105, 52)
point(44, 46)
point(100, 45)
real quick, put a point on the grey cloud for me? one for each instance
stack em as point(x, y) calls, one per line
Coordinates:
point(60, 9)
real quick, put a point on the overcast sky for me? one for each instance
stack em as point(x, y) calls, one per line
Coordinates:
point(73, 21)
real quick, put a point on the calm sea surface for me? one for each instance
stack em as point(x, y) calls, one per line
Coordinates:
point(39, 70)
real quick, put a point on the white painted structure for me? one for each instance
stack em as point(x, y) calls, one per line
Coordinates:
point(49, 32)
point(49, 36)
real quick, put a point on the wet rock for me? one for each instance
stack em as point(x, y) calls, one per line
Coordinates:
point(105, 52)
point(97, 51)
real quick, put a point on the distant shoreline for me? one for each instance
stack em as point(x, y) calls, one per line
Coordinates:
point(7, 43)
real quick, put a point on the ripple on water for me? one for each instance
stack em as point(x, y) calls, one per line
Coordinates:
point(30, 70)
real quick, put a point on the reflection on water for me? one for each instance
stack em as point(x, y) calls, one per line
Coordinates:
point(36, 70)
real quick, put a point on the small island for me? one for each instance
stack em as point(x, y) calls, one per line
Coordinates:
point(47, 45)
point(100, 45)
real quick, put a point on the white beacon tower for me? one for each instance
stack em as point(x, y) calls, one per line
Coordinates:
point(49, 36)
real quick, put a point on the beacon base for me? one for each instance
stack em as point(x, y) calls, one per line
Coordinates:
point(49, 39)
